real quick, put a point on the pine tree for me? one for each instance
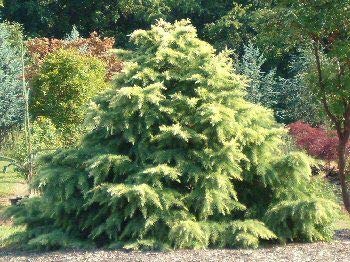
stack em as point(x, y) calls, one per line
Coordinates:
point(178, 159)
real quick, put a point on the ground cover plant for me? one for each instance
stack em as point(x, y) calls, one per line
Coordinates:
point(177, 159)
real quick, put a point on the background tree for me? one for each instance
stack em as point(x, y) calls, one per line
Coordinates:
point(232, 26)
point(223, 23)
point(94, 45)
point(289, 97)
point(178, 158)
point(220, 22)
point(11, 92)
point(295, 100)
point(262, 86)
point(322, 26)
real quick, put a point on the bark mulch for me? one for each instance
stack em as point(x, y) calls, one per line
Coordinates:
point(338, 250)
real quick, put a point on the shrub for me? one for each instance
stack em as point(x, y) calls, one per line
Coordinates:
point(95, 46)
point(178, 159)
point(64, 86)
point(317, 141)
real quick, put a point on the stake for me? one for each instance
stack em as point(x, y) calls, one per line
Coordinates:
point(27, 119)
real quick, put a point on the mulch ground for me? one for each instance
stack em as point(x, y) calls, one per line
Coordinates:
point(338, 250)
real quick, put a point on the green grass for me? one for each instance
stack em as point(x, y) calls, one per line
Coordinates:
point(6, 232)
point(343, 222)
point(10, 182)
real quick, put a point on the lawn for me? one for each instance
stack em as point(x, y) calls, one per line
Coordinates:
point(11, 184)
point(343, 222)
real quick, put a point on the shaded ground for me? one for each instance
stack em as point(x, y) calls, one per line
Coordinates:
point(338, 250)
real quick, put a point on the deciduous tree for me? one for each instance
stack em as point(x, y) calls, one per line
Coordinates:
point(62, 89)
point(220, 22)
point(323, 28)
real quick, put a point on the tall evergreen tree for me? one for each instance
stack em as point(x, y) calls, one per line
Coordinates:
point(262, 86)
point(296, 102)
point(290, 98)
point(11, 93)
point(178, 158)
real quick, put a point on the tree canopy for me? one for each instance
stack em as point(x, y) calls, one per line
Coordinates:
point(119, 18)
point(326, 40)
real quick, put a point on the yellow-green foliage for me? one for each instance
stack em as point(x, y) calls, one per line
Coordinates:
point(65, 84)
point(178, 159)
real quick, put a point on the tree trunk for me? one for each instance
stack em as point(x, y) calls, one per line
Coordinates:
point(342, 171)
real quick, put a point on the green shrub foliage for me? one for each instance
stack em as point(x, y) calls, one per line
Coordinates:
point(65, 84)
point(178, 159)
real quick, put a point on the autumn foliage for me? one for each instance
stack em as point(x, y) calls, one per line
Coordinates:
point(94, 45)
point(317, 141)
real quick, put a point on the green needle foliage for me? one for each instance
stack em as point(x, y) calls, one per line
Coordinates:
point(11, 90)
point(178, 159)
point(262, 86)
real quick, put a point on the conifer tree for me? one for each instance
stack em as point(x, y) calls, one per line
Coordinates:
point(289, 98)
point(262, 86)
point(178, 159)
point(11, 91)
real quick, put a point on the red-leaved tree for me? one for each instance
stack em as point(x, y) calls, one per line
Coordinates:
point(317, 141)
